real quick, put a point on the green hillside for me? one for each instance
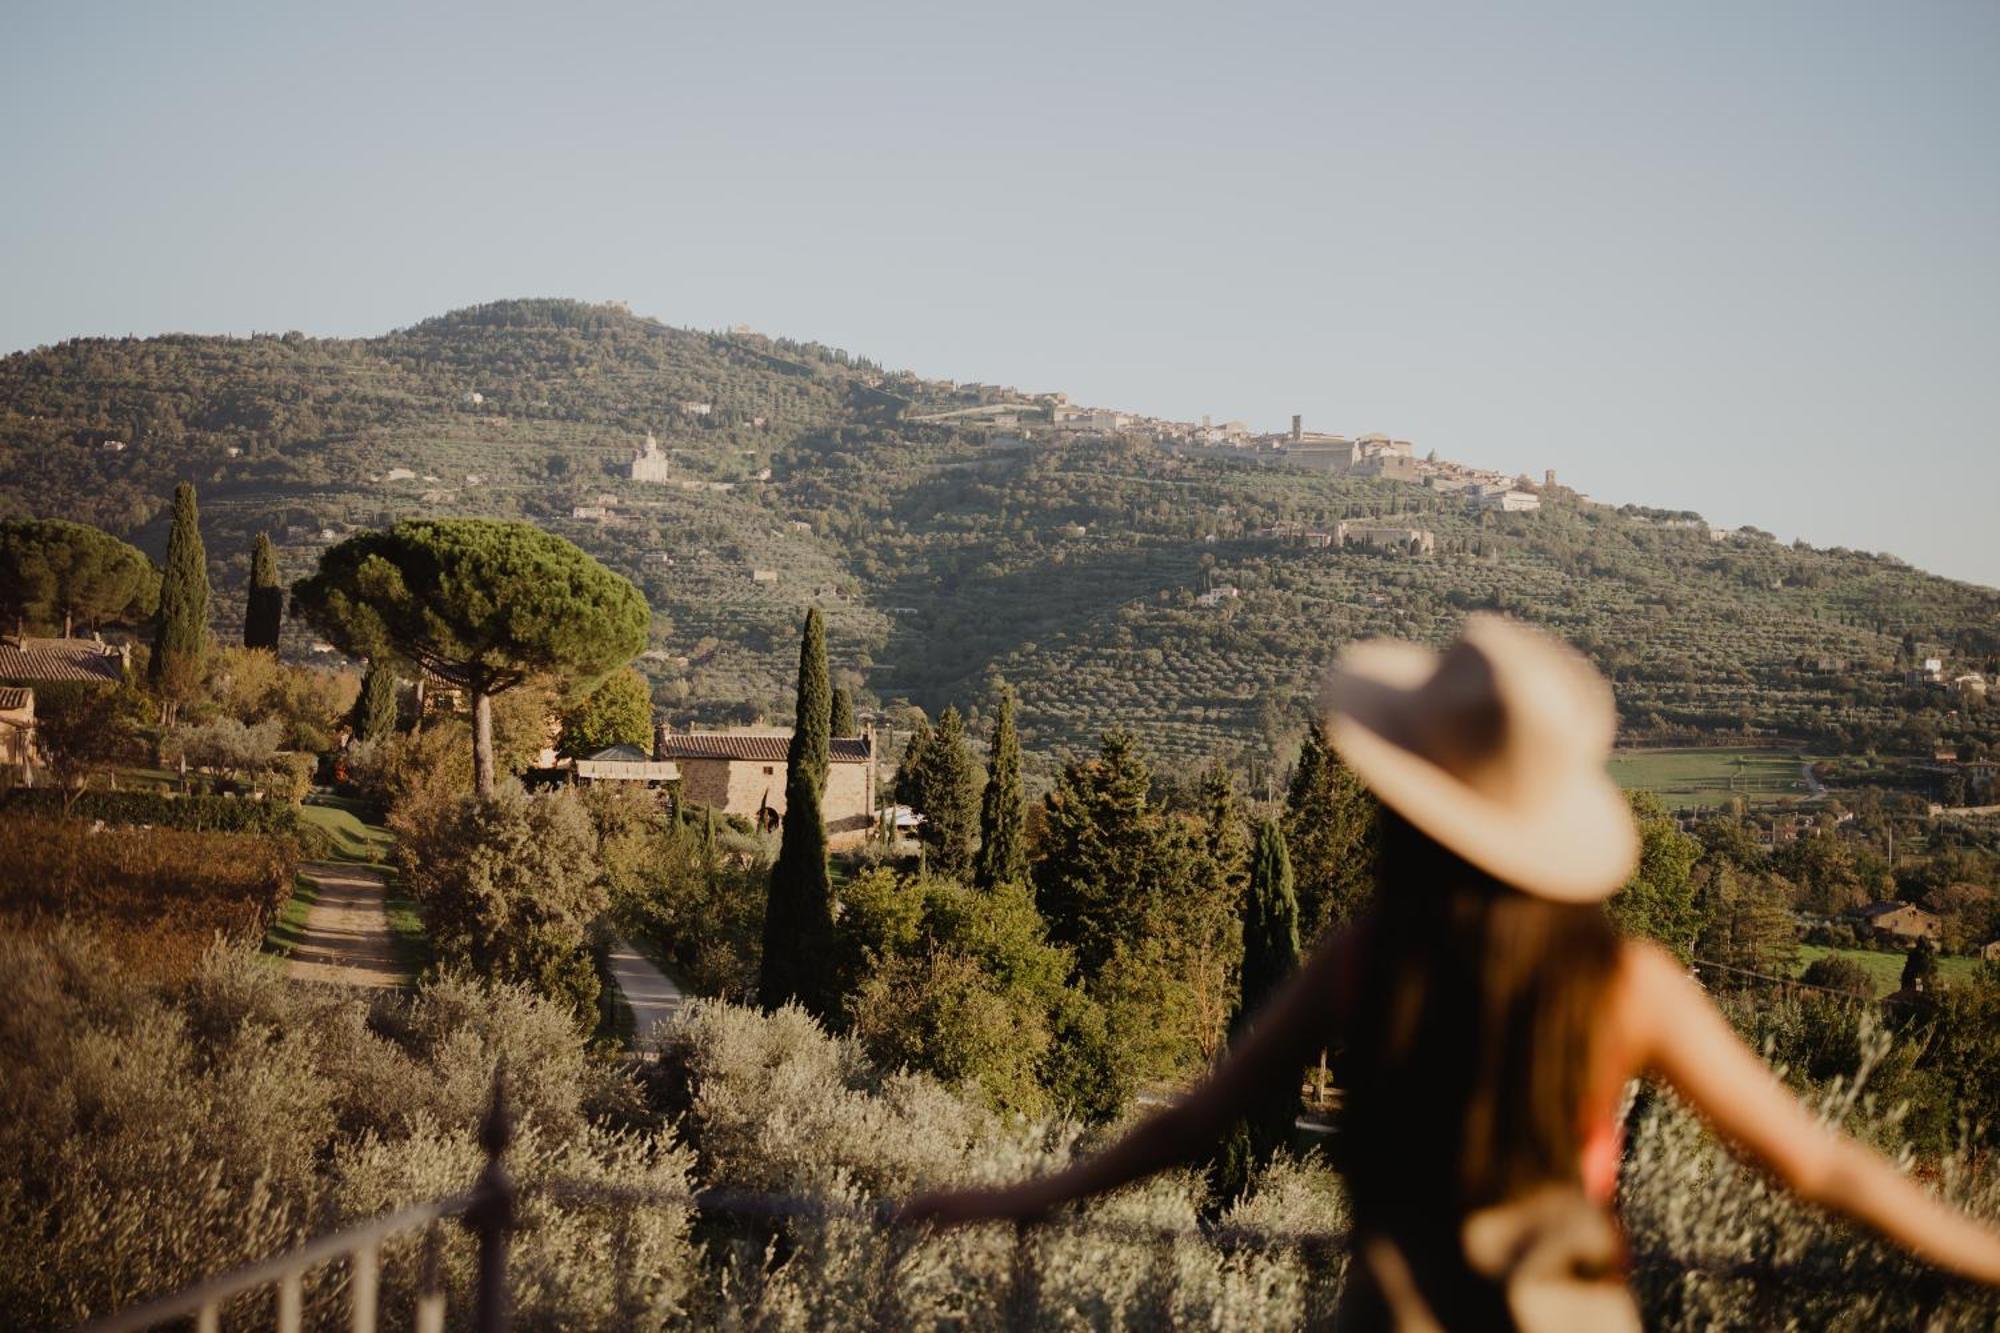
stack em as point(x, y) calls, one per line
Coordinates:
point(947, 557)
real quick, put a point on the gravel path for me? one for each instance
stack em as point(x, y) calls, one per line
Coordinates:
point(652, 995)
point(346, 940)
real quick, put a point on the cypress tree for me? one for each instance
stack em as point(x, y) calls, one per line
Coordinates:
point(1330, 827)
point(948, 795)
point(814, 721)
point(843, 715)
point(1270, 924)
point(1270, 956)
point(266, 608)
point(1003, 812)
point(375, 709)
point(180, 641)
point(798, 917)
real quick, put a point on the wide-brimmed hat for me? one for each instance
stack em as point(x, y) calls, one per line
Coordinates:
point(1495, 748)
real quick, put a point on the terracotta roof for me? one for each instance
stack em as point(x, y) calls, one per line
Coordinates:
point(765, 749)
point(13, 697)
point(60, 659)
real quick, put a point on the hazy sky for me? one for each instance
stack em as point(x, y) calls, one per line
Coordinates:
point(1743, 258)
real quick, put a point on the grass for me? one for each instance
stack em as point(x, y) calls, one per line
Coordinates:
point(349, 837)
point(1885, 970)
point(289, 927)
point(406, 928)
point(1711, 777)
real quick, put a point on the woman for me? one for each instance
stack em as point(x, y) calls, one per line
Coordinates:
point(1490, 1017)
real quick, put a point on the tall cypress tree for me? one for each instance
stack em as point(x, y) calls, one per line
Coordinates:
point(375, 709)
point(947, 792)
point(1330, 827)
point(814, 722)
point(843, 715)
point(798, 917)
point(1003, 812)
point(180, 641)
point(1270, 956)
point(1270, 924)
point(266, 609)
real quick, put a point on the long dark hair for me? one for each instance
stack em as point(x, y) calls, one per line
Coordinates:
point(1468, 1060)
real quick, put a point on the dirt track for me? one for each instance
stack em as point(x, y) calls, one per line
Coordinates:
point(346, 939)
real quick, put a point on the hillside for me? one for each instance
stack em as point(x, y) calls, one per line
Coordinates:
point(949, 554)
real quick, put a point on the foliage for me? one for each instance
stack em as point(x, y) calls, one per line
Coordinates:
point(180, 639)
point(942, 783)
point(158, 896)
point(963, 985)
point(55, 573)
point(1841, 974)
point(265, 606)
point(798, 915)
point(1003, 806)
point(1270, 928)
point(375, 708)
point(485, 605)
point(510, 885)
point(1659, 900)
point(84, 729)
point(842, 714)
point(619, 711)
point(1920, 968)
point(194, 814)
point(1330, 828)
point(150, 1138)
point(697, 893)
point(1746, 924)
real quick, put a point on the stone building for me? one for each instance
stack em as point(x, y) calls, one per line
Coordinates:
point(743, 773)
point(650, 463)
point(17, 731)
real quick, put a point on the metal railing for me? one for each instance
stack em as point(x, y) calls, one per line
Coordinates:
point(488, 1210)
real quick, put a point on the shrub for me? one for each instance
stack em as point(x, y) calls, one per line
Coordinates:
point(201, 814)
point(1841, 974)
point(510, 886)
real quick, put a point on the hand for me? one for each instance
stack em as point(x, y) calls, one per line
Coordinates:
point(951, 1208)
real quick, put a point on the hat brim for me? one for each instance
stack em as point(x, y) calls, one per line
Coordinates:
point(1572, 841)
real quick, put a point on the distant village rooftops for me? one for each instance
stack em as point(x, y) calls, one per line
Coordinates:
point(32, 659)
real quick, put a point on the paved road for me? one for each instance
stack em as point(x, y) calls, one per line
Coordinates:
point(653, 996)
point(346, 939)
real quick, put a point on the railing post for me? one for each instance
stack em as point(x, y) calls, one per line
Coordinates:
point(492, 1216)
point(430, 1285)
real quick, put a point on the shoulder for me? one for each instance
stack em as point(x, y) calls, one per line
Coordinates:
point(1647, 982)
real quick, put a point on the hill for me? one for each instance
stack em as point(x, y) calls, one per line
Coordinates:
point(953, 550)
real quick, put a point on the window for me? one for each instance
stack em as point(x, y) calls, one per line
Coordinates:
point(767, 770)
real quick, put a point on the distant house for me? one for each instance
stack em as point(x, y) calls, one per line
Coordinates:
point(31, 661)
point(763, 576)
point(1902, 922)
point(399, 474)
point(1505, 499)
point(1388, 537)
point(743, 773)
point(1217, 596)
point(596, 513)
point(17, 730)
point(697, 409)
point(1991, 952)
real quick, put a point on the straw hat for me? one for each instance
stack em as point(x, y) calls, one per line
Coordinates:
point(1495, 748)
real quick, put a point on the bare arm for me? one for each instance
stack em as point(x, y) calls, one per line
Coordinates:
point(1282, 1039)
point(1688, 1042)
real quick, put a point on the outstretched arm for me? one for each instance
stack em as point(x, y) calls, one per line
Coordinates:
point(1282, 1039)
point(1692, 1046)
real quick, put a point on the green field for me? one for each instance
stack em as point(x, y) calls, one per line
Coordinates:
point(351, 839)
point(1711, 777)
point(1886, 969)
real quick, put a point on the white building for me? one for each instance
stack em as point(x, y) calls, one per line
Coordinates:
point(650, 463)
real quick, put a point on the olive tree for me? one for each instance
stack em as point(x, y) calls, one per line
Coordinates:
point(480, 603)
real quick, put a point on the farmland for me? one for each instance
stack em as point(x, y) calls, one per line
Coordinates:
point(1885, 970)
point(1704, 776)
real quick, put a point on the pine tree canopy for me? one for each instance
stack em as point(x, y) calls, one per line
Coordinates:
point(55, 574)
point(480, 603)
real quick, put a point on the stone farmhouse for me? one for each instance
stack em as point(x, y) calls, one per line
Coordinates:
point(743, 773)
point(1903, 923)
point(25, 661)
point(1387, 537)
point(17, 730)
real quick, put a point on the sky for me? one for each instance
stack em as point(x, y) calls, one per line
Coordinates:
point(1737, 258)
